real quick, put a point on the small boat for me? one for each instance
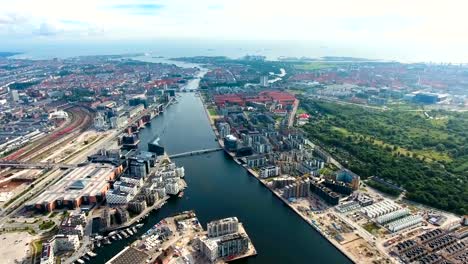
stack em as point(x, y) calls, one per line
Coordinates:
point(99, 237)
point(129, 231)
point(107, 241)
point(124, 234)
point(112, 233)
point(91, 254)
point(114, 237)
point(134, 230)
point(98, 244)
point(86, 257)
point(80, 261)
point(139, 225)
point(119, 236)
point(180, 194)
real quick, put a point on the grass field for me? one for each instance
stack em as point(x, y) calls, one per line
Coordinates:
point(212, 111)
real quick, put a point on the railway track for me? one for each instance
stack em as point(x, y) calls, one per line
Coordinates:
point(80, 119)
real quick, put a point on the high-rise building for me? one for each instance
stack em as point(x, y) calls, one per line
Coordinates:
point(14, 95)
point(223, 227)
point(224, 129)
point(264, 81)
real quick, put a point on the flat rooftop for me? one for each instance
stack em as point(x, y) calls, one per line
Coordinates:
point(88, 180)
point(129, 255)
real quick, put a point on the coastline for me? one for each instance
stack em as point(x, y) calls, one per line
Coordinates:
point(255, 175)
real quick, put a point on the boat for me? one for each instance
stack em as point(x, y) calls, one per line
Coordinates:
point(114, 237)
point(134, 230)
point(129, 231)
point(119, 236)
point(139, 225)
point(86, 257)
point(180, 194)
point(99, 237)
point(107, 241)
point(91, 254)
point(124, 234)
point(80, 261)
point(98, 244)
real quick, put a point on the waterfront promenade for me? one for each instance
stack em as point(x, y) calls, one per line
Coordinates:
point(256, 176)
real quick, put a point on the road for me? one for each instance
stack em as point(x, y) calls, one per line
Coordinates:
point(292, 115)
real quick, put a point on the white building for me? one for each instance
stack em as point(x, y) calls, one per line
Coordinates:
point(118, 121)
point(118, 197)
point(270, 171)
point(134, 180)
point(66, 242)
point(172, 188)
point(127, 187)
point(47, 255)
point(223, 226)
point(392, 216)
point(209, 248)
point(180, 172)
point(380, 208)
point(409, 221)
point(264, 81)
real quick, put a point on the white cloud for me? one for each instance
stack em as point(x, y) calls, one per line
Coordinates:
point(436, 25)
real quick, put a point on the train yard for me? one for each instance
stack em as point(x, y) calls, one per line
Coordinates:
point(80, 119)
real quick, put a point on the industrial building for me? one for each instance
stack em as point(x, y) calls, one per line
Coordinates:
point(392, 216)
point(82, 185)
point(406, 222)
point(380, 208)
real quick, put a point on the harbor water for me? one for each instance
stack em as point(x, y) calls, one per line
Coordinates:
point(219, 188)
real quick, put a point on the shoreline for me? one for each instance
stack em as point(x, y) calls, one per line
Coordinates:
point(255, 175)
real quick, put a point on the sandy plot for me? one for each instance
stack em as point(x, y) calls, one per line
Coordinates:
point(14, 247)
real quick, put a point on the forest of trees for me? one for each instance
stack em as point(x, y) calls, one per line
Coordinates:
point(428, 156)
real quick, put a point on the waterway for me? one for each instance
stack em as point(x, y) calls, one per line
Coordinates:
point(218, 188)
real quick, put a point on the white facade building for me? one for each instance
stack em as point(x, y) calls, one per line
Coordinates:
point(223, 226)
point(409, 221)
point(117, 197)
point(270, 171)
point(380, 208)
point(66, 242)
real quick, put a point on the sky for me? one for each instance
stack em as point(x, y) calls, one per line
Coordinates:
point(432, 29)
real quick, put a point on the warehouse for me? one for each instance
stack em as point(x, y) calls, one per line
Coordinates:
point(82, 185)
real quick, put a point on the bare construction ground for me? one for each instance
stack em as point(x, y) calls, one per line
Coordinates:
point(15, 247)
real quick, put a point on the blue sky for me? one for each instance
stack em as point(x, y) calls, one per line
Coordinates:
point(437, 27)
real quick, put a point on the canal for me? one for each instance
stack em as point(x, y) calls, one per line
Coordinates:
point(218, 188)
